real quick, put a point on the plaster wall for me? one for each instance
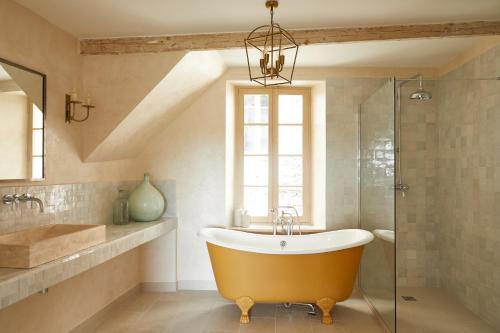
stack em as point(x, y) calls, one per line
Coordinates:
point(31, 41)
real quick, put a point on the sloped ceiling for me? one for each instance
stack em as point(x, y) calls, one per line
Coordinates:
point(117, 85)
point(180, 87)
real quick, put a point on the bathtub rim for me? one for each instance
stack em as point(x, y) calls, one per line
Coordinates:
point(204, 233)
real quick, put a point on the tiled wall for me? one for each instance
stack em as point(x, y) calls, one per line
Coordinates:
point(342, 99)
point(448, 224)
point(468, 218)
point(87, 203)
point(418, 255)
point(377, 196)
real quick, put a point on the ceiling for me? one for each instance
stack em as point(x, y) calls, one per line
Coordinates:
point(416, 53)
point(119, 18)
point(4, 76)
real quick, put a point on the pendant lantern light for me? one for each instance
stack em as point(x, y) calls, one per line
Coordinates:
point(271, 52)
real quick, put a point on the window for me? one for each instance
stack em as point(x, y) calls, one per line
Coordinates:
point(37, 153)
point(273, 151)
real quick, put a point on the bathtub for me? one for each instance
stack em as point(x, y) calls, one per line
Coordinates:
point(317, 268)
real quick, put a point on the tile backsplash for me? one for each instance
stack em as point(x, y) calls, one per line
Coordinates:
point(83, 203)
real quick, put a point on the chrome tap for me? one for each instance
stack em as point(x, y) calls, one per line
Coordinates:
point(292, 220)
point(28, 197)
point(10, 199)
point(286, 220)
point(289, 222)
point(274, 219)
point(277, 220)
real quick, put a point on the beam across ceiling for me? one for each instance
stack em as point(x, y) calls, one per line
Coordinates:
point(217, 41)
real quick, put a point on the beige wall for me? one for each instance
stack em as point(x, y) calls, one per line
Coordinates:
point(117, 85)
point(318, 152)
point(31, 41)
point(191, 150)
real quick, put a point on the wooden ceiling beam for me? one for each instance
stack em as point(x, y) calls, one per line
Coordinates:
point(218, 41)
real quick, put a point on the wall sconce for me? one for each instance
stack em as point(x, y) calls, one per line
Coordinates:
point(71, 103)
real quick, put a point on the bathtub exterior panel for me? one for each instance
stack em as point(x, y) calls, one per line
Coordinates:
point(274, 278)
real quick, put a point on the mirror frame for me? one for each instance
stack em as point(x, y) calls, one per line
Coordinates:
point(44, 111)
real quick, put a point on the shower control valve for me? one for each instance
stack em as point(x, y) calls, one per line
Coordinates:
point(401, 187)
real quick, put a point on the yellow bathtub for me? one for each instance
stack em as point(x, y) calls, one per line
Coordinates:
point(318, 268)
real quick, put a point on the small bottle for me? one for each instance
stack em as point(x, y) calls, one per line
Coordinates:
point(120, 208)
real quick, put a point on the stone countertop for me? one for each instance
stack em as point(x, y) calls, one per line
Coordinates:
point(17, 284)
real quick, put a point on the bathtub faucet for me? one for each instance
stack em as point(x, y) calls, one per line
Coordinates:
point(286, 220)
point(276, 219)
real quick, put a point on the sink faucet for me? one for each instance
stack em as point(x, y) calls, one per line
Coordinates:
point(9, 199)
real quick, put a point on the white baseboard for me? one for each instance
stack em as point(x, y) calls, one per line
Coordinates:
point(159, 287)
point(196, 285)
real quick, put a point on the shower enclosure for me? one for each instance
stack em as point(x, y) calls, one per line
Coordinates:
point(429, 163)
point(377, 199)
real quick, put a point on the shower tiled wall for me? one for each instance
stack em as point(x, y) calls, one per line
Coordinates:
point(86, 203)
point(377, 197)
point(418, 257)
point(343, 96)
point(468, 218)
point(448, 225)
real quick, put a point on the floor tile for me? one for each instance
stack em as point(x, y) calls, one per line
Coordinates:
point(436, 311)
point(119, 321)
point(259, 325)
point(224, 317)
point(293, 325)
point(263, 310)
point(207, 312)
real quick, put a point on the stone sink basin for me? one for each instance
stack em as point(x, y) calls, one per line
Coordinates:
point(37, 245)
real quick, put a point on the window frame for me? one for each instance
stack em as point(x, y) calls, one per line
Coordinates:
point(273, 144)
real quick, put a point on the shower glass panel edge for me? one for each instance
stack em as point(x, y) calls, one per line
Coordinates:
point(377, 200)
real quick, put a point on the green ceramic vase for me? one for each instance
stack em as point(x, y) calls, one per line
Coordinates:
point(146, 203)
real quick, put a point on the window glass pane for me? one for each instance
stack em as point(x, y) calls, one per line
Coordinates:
point(256, 139)
point(255, 200)
point(37, 168)
point(256, 109)
point(255, 170)
point(290, 140)
point(290, 109)
point(37, 142)
point(37, 117)
point(292, 196)
point(290, 171)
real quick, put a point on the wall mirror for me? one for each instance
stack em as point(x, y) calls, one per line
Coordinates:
point(22, 122)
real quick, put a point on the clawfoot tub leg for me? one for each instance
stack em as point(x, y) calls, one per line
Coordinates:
point(245, 304)
point(326, 304)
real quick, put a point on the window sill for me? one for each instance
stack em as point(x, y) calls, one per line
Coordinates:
point(268, 229)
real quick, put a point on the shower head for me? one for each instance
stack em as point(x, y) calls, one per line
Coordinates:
point(420, 94)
